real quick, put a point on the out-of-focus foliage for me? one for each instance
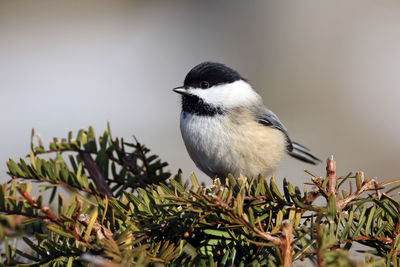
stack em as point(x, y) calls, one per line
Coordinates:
point(123, 209)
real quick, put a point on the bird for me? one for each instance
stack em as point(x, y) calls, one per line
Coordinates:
point(226, 127)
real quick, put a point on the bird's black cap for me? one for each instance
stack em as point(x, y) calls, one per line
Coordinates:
point(208, 74)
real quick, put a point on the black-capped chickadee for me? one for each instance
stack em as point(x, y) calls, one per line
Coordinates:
point(226, 127)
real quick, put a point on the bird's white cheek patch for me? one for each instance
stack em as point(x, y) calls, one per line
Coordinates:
point(230, 95)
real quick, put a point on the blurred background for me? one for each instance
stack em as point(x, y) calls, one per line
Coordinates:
point(329, 70)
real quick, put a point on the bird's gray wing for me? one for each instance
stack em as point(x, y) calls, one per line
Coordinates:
point(266, 117)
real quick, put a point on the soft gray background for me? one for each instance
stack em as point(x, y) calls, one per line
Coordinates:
point(330, 70)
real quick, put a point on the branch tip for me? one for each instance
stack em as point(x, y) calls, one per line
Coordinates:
point(331, 174)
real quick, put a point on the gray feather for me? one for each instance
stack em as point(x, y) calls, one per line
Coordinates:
point(304, 154)
point(266, 117)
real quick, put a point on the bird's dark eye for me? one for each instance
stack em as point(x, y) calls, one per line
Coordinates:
point(204, 85)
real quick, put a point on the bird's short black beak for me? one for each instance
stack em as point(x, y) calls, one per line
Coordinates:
point(180, 90)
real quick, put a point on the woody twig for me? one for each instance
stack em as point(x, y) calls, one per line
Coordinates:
point(285, 242)
point(331, 174)
point(50, 215)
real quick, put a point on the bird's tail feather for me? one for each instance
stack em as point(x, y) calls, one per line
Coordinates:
point(304, 154)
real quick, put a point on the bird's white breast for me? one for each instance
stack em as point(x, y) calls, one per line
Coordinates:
point(205, 140)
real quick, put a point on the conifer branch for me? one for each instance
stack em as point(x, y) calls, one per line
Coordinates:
point(149, 216)
point(49, 214)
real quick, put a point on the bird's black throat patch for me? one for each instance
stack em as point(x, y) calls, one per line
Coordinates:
point(194, 105)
